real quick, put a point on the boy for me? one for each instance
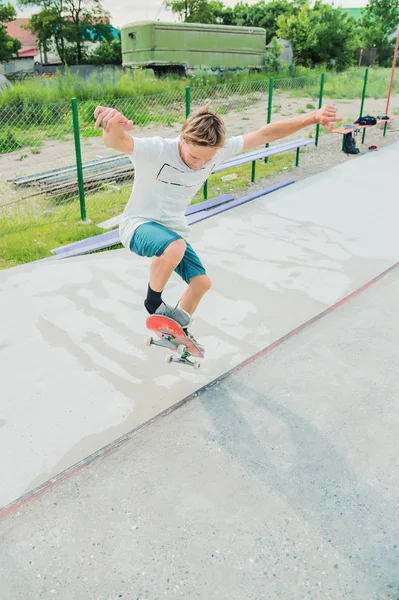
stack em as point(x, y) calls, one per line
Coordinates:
point(168, 173)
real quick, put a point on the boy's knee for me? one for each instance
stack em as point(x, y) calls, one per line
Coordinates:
point(175, 251)
point(206, 283)
point(201, 283)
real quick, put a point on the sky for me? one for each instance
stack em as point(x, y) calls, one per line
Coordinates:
point(126, 11)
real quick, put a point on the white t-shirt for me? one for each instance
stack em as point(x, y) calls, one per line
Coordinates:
point(164, 185)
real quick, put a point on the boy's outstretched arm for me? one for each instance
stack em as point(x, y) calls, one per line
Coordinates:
point(325, 116)
point(115, 129)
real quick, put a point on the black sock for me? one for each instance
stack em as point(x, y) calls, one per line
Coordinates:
point(153, 300)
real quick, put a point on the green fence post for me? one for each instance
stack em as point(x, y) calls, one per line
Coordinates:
point(253, 172)
point(188, 100)
point(269, 107)
point(206, 190)
point(75, 122)
point(366, 74)
point(323, 75)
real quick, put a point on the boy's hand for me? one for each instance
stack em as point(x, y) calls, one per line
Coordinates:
point(110, 117)
point(327, 116)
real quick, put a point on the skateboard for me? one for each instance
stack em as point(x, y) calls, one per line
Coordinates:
point(173, 337)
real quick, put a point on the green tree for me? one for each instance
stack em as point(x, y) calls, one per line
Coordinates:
point(83, 15)
point(8, 46)
point(47, 24)
point(320, 35)
point(242, 15)
point(197, 11)
point(107, 53)
point(379, 22)
point(264, 14)
point(183, 8)
point(72, 22)
point(225, 16)
point(273, 62)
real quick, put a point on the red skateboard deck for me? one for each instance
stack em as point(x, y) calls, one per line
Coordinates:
point(173, 337)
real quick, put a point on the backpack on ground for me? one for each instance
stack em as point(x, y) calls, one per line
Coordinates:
point(349, 146)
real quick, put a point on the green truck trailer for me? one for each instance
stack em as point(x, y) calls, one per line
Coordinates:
point(185, 47)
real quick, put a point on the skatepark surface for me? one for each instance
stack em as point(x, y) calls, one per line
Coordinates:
point(270, 473)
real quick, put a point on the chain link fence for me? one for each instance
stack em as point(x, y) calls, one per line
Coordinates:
point(36, 155)
point(39, 147)
point(236, 97)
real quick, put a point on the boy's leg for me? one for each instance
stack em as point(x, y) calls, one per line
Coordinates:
point(193, 272)
point(163, 266)
point(167, 249)
point(196, 289)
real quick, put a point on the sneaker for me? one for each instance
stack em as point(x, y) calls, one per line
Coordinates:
point(200, 347)
point(177, 314)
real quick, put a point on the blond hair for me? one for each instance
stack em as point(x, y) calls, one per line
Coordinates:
point(204, 128)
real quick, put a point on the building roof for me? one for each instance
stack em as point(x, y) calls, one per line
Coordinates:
point(17, 29)
point(28, 53)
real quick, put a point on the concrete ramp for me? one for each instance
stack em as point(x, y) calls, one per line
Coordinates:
point(280, 481)
point(75, 373)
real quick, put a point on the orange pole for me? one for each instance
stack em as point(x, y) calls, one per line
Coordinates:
point(392, 73)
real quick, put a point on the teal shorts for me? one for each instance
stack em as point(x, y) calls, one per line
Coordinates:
point(152, 239)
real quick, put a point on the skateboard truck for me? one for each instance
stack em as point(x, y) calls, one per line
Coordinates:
point(181, 350)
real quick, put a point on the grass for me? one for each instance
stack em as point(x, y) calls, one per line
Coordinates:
point(22, 131)
point(348, 85)
point(36, 110)
point(11, 139)
point(116, 84)
point(55, 89)
point(34, 241)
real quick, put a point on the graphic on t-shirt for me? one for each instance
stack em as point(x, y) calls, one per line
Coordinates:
point(173, 176)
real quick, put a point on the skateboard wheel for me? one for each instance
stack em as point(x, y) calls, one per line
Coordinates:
point(196, 365)
point(181, 349)
point(169, 358)
point(148, 341)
